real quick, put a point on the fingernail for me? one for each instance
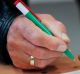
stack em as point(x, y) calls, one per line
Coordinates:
point(61, 48)
point(65, 37)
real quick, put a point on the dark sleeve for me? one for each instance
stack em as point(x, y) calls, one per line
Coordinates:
point(8, 13)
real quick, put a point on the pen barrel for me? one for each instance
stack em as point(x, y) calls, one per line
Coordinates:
point(69, 54)
point(31, 17)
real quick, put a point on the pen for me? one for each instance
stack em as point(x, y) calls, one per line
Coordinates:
point(31, 16)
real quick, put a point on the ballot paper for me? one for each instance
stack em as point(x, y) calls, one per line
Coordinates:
point(73, 72)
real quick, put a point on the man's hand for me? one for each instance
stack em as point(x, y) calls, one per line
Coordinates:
point(25, 39)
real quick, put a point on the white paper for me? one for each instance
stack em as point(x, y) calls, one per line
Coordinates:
point(73, 72)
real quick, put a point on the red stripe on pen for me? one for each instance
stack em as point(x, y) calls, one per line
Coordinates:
point(30, 10)
point(17, 1)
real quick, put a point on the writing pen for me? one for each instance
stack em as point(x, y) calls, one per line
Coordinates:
point(31, 16)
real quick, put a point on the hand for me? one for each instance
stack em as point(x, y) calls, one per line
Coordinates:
point(24, 39)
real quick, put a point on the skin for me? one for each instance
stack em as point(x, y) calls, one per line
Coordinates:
point(25, 39)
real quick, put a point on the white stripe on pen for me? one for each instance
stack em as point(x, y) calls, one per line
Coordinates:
point(21, 7)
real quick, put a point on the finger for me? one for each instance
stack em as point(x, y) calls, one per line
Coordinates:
point(57, 28)
point(22, 60)
point(28, 48)
point(37, 37)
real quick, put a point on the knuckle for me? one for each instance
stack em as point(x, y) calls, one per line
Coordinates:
point(50, 16)
point(61, 24)
point(58, 22)
point(47, 15)
point(36, 38)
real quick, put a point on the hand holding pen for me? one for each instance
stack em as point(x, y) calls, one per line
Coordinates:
point(31, 45)
point(31, 16)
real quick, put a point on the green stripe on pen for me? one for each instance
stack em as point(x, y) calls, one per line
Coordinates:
point(31, 17)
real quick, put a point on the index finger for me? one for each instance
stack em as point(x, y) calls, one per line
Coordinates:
point(56, 27)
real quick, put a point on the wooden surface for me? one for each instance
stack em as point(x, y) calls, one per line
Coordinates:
point(61, 66)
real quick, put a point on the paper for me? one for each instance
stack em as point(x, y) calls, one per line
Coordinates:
point(73, 72)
